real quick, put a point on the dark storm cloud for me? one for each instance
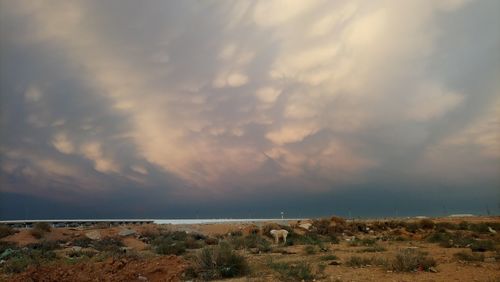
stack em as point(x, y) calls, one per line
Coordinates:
point(211, 106)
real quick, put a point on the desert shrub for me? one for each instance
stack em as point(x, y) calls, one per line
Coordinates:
point(338, 220)
point(408, 260)
point(479, 228)
point(310, 250)
point(256, 241)
point(81, 254)
point(482, 246)
point(43, 226)
point(16, 265)
point(236, 233)
point(372, 249)
point(467, 256)
point(363, 242)
point(44, 246)
point(211, 241)
point(167, 246)
point(83, 242)
point(219, 262)
point(192, 243)
point(177, 235)
point(238, 243)
point(37, 233)
point(393, 224)
point(253, 229)
point(20, 259)
point(426, 224)
point(6, 230)
point(450, 240)
point(329, 257)
point(306, 239)
point(293, 271)
point(7, 245)
point(446, 226)
point(412, 227)
point(108, 244)
point(463, 225)
point(357, 261)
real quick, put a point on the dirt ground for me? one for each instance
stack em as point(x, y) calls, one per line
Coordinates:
point(167, 268)
point(148, 266)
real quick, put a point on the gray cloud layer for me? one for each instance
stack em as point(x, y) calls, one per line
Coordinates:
point(202, 102)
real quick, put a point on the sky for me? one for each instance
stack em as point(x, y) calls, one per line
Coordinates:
point(199, 109)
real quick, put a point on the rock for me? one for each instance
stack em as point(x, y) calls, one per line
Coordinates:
point(93, 235)
point(492, 231)
point(491, 259)
point(433, 270)
point(76, 248)
point(334, 263)
point(142, 278)
point(127, 232)
point(305, 226)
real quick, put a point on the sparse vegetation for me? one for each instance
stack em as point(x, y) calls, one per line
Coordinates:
point(468, 256)
point(329, 257)
point(357, 261)
point(219, 262)
point(482, 246)
point(6, 231)
point(408, 260)
point(293, 271)
point(363, 242)
point(426, 224)
point(372, 249)
point(310, 250)
point(43, 226)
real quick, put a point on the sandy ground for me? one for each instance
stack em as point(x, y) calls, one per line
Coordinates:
point(151, 267)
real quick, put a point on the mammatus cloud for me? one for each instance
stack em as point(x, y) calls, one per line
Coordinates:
point(234, 97)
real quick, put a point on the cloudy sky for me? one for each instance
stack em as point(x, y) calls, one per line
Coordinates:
point(248, 108)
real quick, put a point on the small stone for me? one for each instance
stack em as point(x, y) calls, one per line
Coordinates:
point(142, 278)
point(433, 270)
point(127, 232)
point(93, 235)
point(334, 263)
point(76, 248)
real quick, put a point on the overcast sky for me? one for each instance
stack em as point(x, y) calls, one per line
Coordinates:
point(248, 108)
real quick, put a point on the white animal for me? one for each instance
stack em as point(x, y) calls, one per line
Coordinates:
point(279, 233)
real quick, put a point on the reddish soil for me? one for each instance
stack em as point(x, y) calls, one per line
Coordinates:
point(167, 268)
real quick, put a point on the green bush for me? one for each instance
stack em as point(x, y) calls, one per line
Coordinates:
point(482, 246)
point(293, 271)
point(479, 228)
point(169, 247)
point(219, 262)
point(6, 230)
point(408, 260)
